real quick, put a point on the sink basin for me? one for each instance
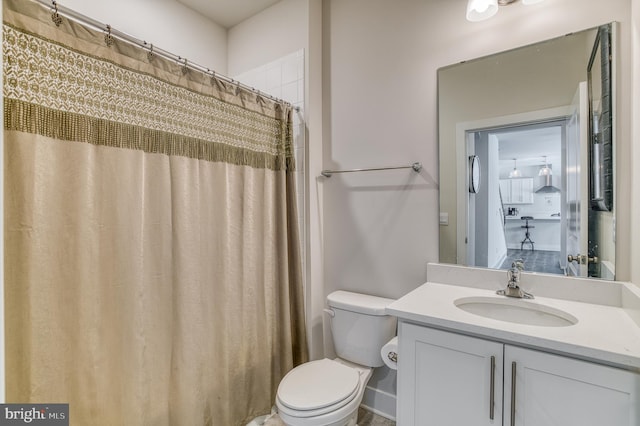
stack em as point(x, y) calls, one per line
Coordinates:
point(516, 311)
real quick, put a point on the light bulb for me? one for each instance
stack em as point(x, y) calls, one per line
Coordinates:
point(515, 173)
point(479, 10)
point(545, 171)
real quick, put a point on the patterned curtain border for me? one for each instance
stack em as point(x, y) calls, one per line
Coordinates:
point(54, 88)
point(29, 118)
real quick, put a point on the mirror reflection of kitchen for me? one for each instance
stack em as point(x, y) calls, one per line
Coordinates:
point(526, 200)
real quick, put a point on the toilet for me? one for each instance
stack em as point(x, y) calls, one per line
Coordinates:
point(328, 392)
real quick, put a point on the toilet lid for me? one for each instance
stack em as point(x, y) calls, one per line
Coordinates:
point(318, 384)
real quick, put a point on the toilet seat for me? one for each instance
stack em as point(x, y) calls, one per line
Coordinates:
point(318, 387)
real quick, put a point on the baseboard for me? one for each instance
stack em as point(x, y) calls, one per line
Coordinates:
point(380, 403)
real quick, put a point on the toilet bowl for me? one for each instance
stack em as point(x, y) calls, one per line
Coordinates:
point(328, 392)
point(333, 390)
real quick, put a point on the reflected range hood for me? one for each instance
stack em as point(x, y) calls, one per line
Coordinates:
point(547, 188)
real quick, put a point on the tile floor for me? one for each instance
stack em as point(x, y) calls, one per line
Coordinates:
point(367, 418)
point(535, 260)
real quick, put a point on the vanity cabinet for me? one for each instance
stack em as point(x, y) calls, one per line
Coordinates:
point(446, 378)
point(517, 190)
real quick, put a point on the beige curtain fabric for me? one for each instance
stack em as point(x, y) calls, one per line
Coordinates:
point(152, 267)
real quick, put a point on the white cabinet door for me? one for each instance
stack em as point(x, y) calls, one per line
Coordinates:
point(516, 191)
point(446, 379)
point(527, 190)
point(551, 390)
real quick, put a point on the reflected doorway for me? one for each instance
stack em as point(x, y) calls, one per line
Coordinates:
point(518, 212)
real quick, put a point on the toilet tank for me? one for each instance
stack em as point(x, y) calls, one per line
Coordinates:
point(360, 326)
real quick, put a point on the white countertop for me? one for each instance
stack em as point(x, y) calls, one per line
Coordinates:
point(605, 332)
point(535, 217)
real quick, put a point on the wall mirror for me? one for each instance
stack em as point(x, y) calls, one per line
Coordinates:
point(539, 122)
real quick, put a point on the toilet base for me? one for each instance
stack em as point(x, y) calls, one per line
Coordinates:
point(351, 420)
point(275, 420)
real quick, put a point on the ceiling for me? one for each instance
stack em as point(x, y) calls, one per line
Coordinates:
point(529, 145)
point(228, 13)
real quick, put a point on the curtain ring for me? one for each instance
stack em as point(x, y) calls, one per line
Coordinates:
point(185, 67)
point(108, 38)
point(150, 54)
point(212, 75)
point(55, 16)
point(261, 97)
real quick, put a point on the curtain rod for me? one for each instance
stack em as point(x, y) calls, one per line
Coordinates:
point(58, 11)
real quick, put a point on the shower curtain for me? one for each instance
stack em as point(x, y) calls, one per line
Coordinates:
point(152, 266)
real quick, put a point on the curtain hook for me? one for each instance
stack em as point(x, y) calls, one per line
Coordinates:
point(185, 67)
point(55, 16)
point(150, 54)
point(108, 38)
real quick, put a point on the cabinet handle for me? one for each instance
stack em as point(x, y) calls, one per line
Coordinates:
point(493, 385)
point(513, 393)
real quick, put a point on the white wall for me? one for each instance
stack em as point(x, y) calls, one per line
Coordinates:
point(267, 36)
point(482, 211)
point(490, 245)
point(377, 238)
point(497, 247)
point(167, 24)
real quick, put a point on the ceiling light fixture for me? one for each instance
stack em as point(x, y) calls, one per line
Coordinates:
point(515, 173)
point(545, 171)
point(480, 10)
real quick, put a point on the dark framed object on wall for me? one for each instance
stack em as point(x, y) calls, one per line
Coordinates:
point(474, 174)
point(600, 122)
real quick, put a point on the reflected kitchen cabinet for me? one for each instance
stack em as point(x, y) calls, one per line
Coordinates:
point(517, 190)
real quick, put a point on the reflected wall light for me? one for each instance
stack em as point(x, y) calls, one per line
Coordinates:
point(479, 10)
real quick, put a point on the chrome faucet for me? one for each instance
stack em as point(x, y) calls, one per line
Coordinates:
point(513, 286)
